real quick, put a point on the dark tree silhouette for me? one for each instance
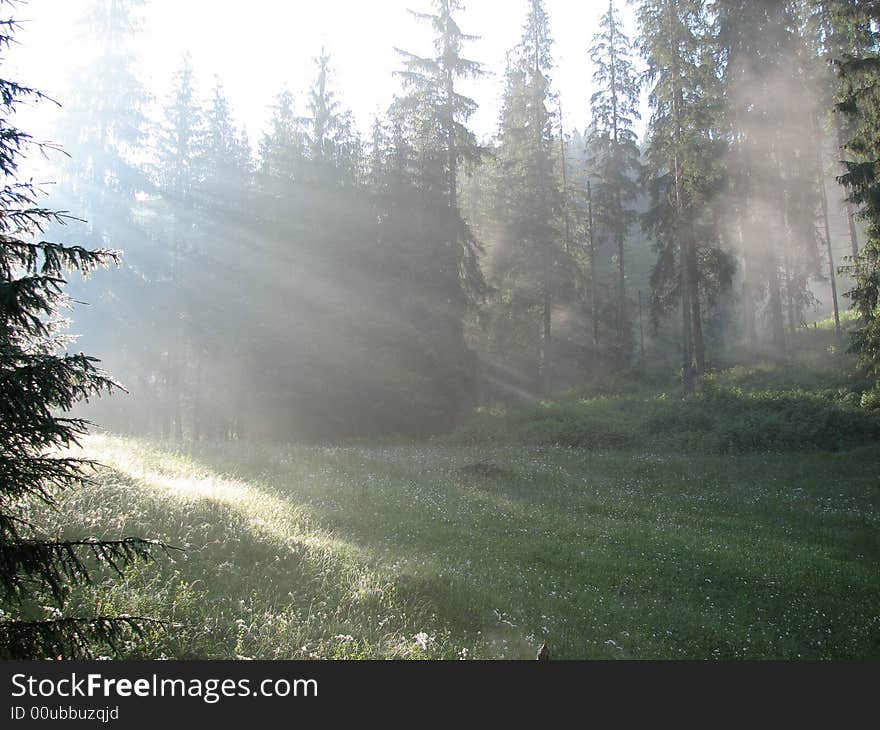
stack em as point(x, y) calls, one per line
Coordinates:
point(39, 382)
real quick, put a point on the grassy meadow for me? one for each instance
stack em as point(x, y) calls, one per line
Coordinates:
point(615, 522)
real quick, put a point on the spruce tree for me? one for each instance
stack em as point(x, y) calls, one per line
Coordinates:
point(333, 144)
point(684, 170)
point(284, 146)
point(223, 199)
point(770, 120)
point(176, 182)
point(531, 262)
point(614, 165)
point(433, 97)
point(860, 76)
point(432, 144)
point(844, 34)
point(103, 128)
point(40, 380)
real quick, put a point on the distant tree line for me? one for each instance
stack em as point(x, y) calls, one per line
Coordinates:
point(327, 285)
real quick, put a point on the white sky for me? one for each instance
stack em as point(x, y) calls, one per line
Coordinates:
point(260, 47)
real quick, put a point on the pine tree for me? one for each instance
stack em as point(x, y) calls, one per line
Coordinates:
point(445, 140)
point(860, 76)
point(770, 119)
point(40, 381)
point(614, 165)
point(104, 125)
point(432, 142)
point(844, 35)
point(531, 262)
point(223, 200)
point(176, 183)
point(103, 128)
point(684, 168)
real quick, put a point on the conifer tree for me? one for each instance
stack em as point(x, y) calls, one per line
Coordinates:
point(431, 130)
point(284, 146)
point(614, 166)
point(684, 169)
point(334, 146)
point(528, 196)
point(104, 125)
point(40, 380)
point(177, 179)
point(770, 116)
point(860, 75)
point(446, 141)
point(844, 34)
point(103, 128)
point(223, 201)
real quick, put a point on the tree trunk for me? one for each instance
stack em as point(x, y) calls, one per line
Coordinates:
point(687, 375)
point(564, 182)
point(831, 273)
point(777, 322)
point(748, 293)
point(546, 378)
point(546, 343)
point(594, 309)
point(641, 330)
point(622, 339)
point(696, 310)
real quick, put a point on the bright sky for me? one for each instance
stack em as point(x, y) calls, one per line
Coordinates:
point(260, 47)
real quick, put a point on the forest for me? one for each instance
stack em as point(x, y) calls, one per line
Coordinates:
point(393, 387)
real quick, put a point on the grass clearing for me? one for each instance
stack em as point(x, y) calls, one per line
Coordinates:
point(352, 552)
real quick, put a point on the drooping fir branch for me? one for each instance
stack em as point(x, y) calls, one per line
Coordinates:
point(54, 565)
point(70, 637)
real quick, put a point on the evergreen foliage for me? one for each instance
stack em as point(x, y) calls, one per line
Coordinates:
point(533, 270)
point(684, 169)
point(323, 286)
point(860, 74)
point(615, 165)
point(40, 381)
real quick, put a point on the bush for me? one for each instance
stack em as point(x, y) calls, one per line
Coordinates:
point(602, 423)
point(718, 419)
point(791, 421)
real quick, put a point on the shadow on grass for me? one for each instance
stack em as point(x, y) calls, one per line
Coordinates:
point(352, 552)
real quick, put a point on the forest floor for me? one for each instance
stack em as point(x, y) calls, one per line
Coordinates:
point(517, 529)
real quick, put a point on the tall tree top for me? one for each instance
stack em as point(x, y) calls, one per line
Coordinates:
point(323, 106)
point(284, 144)
point(434, 76)
point(535, 48)
point(449, 38)
point(180, 136)
point(113, 20)
point(615, 103)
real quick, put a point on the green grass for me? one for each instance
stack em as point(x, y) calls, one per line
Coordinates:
point(349, 552)
point(620, 521)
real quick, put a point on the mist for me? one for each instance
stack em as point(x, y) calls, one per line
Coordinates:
point(287, 278)
point(446, 332)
